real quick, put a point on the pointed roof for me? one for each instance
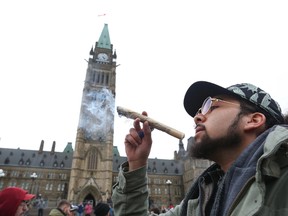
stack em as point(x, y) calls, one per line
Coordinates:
point(115, 151)
point(181, 151)
point(68, 148)
point(104, 40)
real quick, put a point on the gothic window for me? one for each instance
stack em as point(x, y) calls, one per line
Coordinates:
point(27, 186)
point(7, 161)
point(92, 160)
point(14, 173)
point(1, 184)
point(176, 171)
point(97, 78)
point(55, 164)
point(157, 181)
point(149, 180)
point(22, 185)
point(42, 163)
point(93, 76)
point(21, 162)
point(28, 162)
point(62, 164)
point(107, 79)
point(52, 175)
point(155, 190)
point(12, 184)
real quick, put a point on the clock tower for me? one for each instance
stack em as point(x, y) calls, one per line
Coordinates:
point(91, 172)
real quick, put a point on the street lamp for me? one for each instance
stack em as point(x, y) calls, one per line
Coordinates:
point(2, 173)
point(168, 182)
point(33, 177)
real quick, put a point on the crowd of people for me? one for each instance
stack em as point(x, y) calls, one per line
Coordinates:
point(15, 201)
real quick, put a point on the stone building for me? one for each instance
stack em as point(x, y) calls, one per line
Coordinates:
point(52, 175)
point(88, 172)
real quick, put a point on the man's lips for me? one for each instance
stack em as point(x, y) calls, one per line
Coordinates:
point(199, 128)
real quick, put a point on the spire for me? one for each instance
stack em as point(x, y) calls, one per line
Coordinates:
point(53, 147)
point(41, 147)
point(181, 151)
point(104, 40)
point(114, 54)
point(91, 51)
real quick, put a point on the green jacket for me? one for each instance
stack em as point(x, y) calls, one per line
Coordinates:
point(265, 193)
point(56, 212)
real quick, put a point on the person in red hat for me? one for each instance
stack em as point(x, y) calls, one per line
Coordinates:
point(13, 201)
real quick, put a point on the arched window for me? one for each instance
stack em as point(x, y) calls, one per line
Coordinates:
point(92, 159)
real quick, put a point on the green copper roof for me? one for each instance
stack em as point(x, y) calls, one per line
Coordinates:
point(115, 151)
point(68, 148)
point(104, 40)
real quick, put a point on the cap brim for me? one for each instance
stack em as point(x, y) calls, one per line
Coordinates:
point(28, 196)
point(198, 92)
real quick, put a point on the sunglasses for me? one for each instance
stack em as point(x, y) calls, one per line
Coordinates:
point(206, 106)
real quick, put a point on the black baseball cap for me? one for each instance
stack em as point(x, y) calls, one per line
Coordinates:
point(200, 90)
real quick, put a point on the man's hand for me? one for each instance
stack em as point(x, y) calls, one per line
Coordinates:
point(138, 148)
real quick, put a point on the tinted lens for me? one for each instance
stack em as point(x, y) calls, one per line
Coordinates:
point(206, 105)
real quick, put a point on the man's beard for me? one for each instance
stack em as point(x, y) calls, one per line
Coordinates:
point(207, 148)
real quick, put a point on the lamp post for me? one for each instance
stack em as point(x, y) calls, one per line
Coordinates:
point(168, 182)
point(2, 173)
point(33, 177)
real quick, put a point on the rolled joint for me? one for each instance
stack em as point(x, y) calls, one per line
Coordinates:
point(153, 123)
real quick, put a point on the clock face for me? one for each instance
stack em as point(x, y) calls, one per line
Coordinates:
point(102, 56)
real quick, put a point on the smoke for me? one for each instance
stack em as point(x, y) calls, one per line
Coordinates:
point(97, 114)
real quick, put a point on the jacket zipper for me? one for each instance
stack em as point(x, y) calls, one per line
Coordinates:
point(241, 194)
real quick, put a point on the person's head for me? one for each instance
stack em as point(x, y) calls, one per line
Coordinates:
point(102, 209)
point(228, 118)
point(73, 209)
point(65, 206)
point(155, 211)
point(14, 201)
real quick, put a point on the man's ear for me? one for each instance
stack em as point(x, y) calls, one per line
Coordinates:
point(254, 121)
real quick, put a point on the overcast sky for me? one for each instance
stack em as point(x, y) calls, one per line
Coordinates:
point(162, 48)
